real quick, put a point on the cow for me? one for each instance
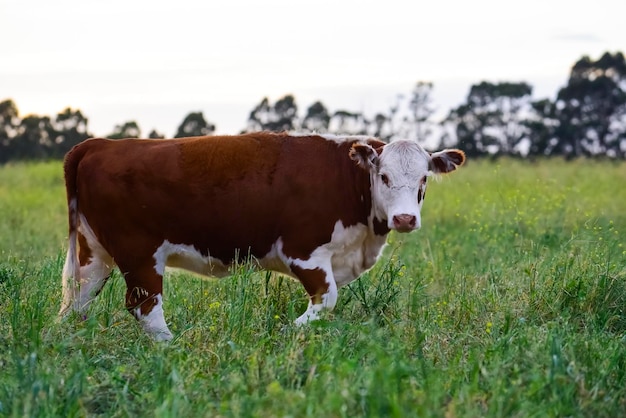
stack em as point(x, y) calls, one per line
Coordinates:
point(315, 207)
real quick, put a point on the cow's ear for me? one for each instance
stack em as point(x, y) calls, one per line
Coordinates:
point(365, 156)
point(446, 161)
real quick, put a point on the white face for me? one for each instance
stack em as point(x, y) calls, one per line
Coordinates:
point(399, 185)
point(398, 174)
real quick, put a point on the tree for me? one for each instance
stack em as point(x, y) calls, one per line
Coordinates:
point(33, 139)
point(491, 120)
point(259, 116)
point(348, 123)
point(70, 128)
point(155, 135)
point(541, 123)
point(8, 127)
point(194, 124)
point(384, 126)
point(281, 116)
point(38, 137)
point(421, 108)
point(380, 125)
point(286, 111)
point(317, 118)
point(591, 108)
point(128, 129)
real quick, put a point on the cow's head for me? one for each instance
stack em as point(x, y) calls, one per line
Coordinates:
point(398, 173)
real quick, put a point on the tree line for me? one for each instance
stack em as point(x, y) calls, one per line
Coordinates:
point(587, 118)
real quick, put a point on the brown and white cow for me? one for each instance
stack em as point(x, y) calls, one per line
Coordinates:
point(316, 207)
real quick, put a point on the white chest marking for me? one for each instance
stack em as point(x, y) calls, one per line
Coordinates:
point(349, 253)
point(354, 250)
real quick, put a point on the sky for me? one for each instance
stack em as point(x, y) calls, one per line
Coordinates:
point(155, 61)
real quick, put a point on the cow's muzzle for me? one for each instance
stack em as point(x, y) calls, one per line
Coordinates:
point(405, 223)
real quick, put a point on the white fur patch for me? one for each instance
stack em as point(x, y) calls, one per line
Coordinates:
point(189, 258)
point(154, 323)
point(403, 164)
point(275, 259)
point(78, 293)
point(311, 314)
point(352, 250)
point(349, 253)
point(70, 286)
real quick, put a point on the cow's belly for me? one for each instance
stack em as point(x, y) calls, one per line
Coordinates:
point(187, 257)
point(352, 251)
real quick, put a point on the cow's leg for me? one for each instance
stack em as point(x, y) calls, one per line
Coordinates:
point(144, 299)
point(95, 268)
point(321, 287)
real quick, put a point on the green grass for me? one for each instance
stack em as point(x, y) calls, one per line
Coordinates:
point(509, 302)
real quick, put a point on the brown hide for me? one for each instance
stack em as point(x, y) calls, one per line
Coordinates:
point(219, 194)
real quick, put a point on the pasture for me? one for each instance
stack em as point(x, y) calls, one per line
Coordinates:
point(510, 301)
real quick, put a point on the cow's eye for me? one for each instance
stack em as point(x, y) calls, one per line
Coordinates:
point(385, 179)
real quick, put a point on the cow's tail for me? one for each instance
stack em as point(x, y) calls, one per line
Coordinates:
point(71, 269)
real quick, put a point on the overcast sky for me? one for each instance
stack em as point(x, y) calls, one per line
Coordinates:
point(155, 61)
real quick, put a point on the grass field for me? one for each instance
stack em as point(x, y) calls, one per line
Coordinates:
point(510, 302)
